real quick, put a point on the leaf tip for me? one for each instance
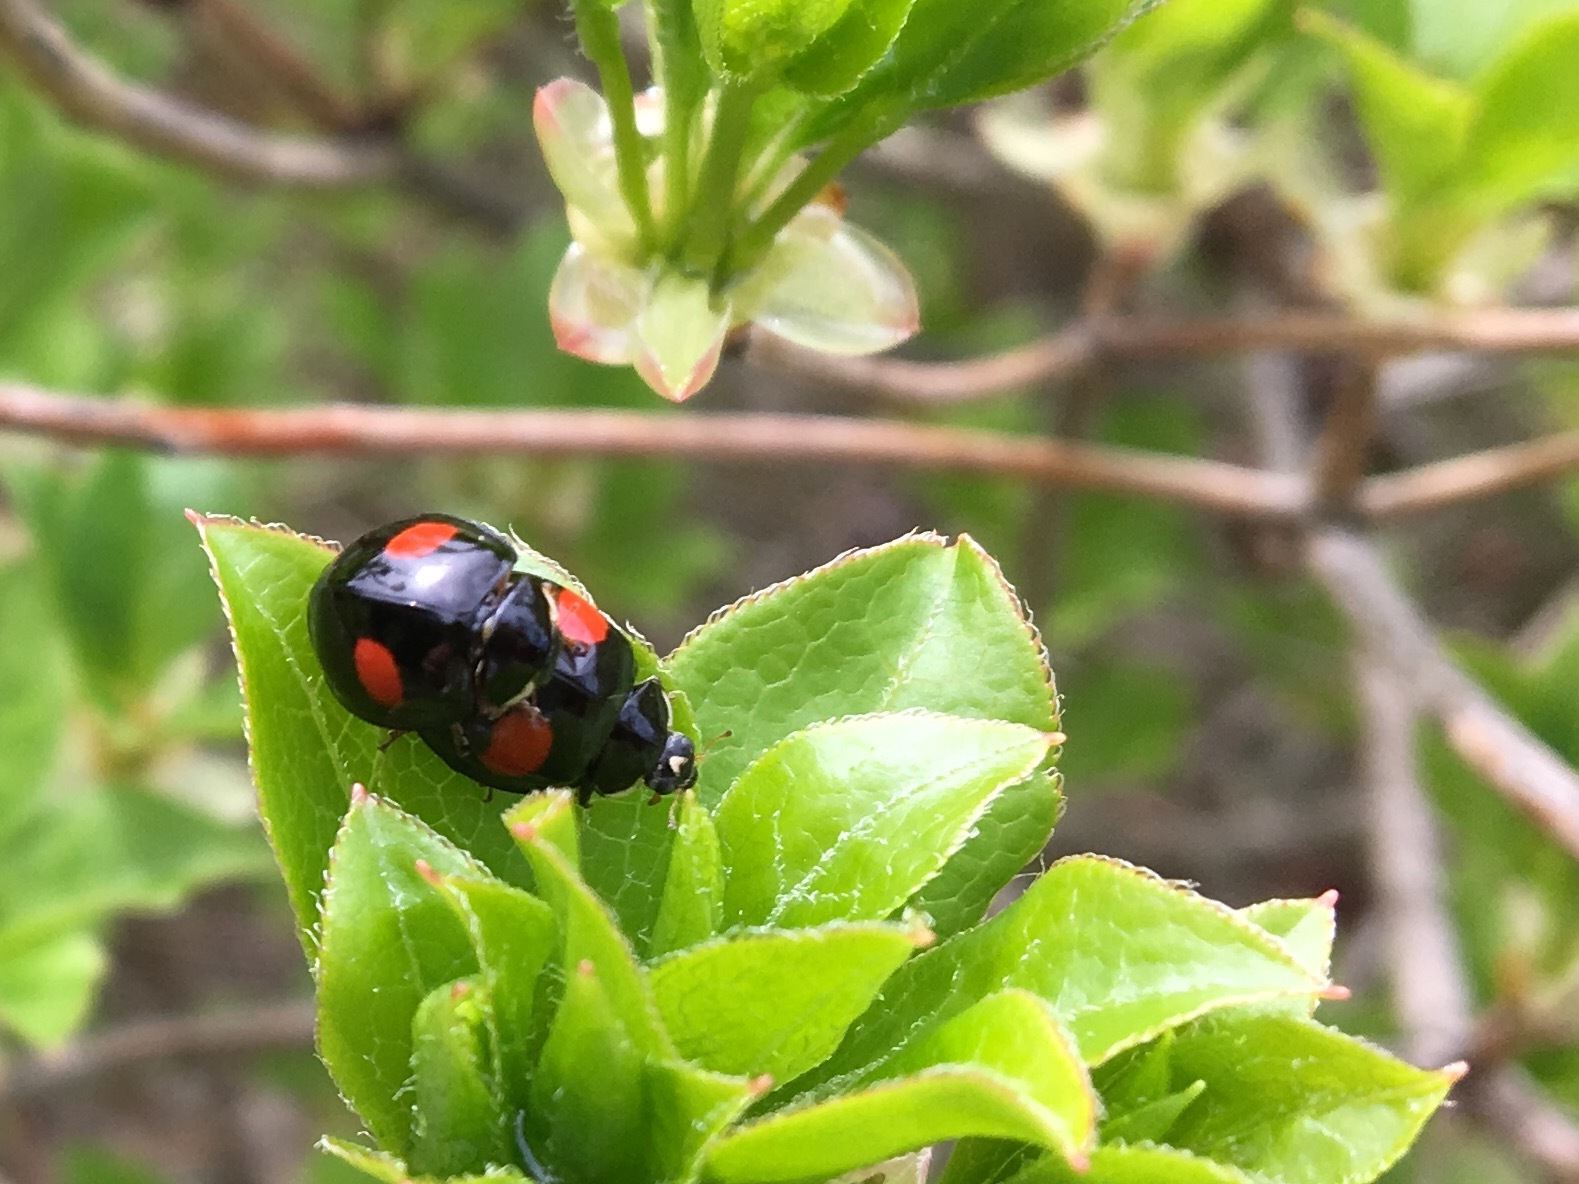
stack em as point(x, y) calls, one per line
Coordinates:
point(459, 989)
point(1335, 993)
point(1328, 900)
point(425, 870)
point(1455, 1071)
point(1078, 1161)
point(1056, 739)
point(359, 794)
point(760, 1086)
point(922, 936)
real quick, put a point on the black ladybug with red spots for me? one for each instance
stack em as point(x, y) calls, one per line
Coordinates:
point(515, 681)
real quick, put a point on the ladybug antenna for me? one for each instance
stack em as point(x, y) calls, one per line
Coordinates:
point(701, 753)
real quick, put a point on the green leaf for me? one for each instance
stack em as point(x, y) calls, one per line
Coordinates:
point(1179, 57)
point(688, 1109)
point(591, 937)
point(1016, 1035)
point(586, 1117)
point(1130, 1165)
point(307, 751)
point(1139, 1096)
point(390, 1170)
point(626, 847)
point(1003, 1068)
point(915, 623)
point(1522, 142)
point(1120, 954)
point(548, 817)
point(847, 820)
point(388, 939)
point(775, 1001)
point(1416, 123)
point(836, 61)
point(950, 53)
point(1306, 927)
point(513, 936)
point(693, 891)
point(1289, 1100)
point(602, 1110)
point(1014, 831)
point(46, 989)
point(755, 39)
point(458, 1121)
point(1151, 1122)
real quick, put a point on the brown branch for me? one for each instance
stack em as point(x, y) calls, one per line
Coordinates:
point(1431, 994)
point(1480, 474)
point(1515, 762)
point(718, 438)
point(87, 91)
point(1491, 330)
point(1055, 355)
point(249, 1030)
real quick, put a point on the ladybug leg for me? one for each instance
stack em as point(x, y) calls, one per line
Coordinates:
point(394, 734)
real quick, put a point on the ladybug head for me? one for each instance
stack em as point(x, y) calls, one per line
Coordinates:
point(676, 768)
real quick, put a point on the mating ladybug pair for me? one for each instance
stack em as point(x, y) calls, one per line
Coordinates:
point(424, 625)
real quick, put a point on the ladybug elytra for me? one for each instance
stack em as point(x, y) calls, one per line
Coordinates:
point(511, 679)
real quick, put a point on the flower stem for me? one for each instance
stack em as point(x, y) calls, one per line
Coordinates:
point(598, 28)
point(755, 241)
point(715, 187)
point(680, 68)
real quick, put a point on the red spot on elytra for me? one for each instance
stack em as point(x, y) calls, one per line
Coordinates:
point(378, 672)
point(419, 539)
point(579, 620)
point(519, 743)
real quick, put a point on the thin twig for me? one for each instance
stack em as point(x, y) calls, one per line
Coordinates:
point(718, 438)
point(937, 384)
point(1343, 448)
point(93, 95)
point(1431, 996)
point(1480, 474)
point(244, 1030)
point(1056, 354)
point(1514, 761)
point(292, 74)
point(90, 93)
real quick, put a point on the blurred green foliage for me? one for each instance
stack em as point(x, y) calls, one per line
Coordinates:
point(123, 787)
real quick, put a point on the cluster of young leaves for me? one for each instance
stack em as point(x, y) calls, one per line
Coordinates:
point(1458, 155)
point(692, 207)
point(101, 696)
point(785, 975)
point(1164, 135)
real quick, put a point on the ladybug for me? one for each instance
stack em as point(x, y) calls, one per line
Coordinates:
point(513, 680)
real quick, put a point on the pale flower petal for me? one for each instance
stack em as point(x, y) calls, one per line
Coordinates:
point(681, 335)
point(577, 139)
point(832, 287)
point(593, 304)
